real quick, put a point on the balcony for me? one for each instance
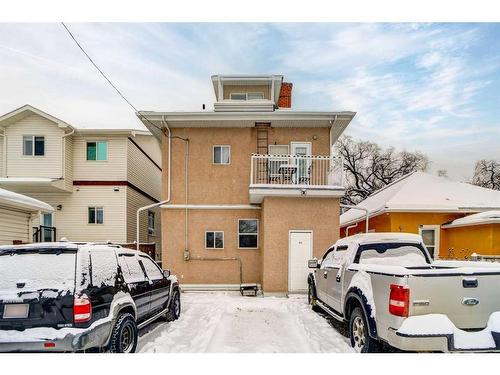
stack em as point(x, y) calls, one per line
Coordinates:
point(295, 176)
point(44, 233)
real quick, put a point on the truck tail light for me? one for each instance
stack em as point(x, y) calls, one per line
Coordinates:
point(82, 309)
point(399, 300)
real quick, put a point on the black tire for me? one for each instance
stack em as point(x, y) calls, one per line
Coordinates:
point(124, 336)
point(359, 333)
point(174, 310)
point(311, 298)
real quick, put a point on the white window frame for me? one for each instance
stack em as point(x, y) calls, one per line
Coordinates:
point(251, 234)
point(33, 146)
point(287, 149)
point(95, 207)
point(437, 230)
point(214, 248)
point(245, 94)
point(96, 141)
point(213, 154)
point(151, 230)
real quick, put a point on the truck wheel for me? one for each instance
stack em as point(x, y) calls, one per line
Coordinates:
point(311, 298)
point(174, 310)
point(124, 335)
point(358, 331)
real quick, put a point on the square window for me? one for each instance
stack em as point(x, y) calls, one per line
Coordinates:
point(248, 233)
point(96, 215)
point(97, 150)
point(214, 240)
point(33, 145)
point(222, 155)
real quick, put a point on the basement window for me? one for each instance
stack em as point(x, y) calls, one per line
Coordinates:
point(248, 233)
point(214, 240)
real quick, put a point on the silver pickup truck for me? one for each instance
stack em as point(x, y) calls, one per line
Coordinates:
point(388, 290)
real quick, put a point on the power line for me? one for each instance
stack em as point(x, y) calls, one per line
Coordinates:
point(113, 85)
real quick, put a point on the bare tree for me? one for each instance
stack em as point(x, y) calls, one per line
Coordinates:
point(487, 174)
point(369, 167)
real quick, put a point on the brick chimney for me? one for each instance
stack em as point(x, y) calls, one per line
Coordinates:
point(285, 99)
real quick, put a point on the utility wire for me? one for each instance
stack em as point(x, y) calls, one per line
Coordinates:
point(113, 85)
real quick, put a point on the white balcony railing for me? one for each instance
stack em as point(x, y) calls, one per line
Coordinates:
point(297, 170)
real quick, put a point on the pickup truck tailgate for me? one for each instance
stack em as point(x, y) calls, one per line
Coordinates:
point(467, 298)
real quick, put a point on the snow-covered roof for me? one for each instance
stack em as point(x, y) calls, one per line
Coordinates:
point(424, 192)
point(19, 201)
point(362, 238)
point(488, 217)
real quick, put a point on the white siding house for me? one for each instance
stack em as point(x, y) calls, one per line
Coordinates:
point(95, 179)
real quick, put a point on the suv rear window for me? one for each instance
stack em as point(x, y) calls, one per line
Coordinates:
point(37, 270)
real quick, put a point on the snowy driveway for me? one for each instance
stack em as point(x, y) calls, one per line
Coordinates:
point(228, 323)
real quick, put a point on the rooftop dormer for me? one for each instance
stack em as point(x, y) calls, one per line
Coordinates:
point(247, 93)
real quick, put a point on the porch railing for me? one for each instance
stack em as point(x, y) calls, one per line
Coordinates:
point(299, 170)
point(44, 233)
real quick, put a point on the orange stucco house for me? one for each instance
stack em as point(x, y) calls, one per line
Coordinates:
point(250, 189)
point(455, 219)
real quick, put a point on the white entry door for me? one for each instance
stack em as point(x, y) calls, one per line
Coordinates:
point(300, 251)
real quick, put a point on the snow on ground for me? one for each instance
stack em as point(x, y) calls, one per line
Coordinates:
point(228, 323)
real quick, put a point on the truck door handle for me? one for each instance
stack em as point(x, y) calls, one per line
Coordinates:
point(325, 275)
point(338, 278)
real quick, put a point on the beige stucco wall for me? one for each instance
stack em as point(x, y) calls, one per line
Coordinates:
point(221, 184)
point(208, 272)
point(279, 216)
point(48, 165)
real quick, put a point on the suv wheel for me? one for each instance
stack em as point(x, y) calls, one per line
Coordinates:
point(174, 310)
point(358, 330)
point(124, 335)
point(311, 298)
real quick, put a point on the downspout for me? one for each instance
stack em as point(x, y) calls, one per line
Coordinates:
point(361, 209)
point(169, 136)
point(63, 172)
point(4, 152)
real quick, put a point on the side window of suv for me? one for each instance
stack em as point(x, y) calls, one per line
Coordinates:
point(152, 270)
point(132, 271)
point(104, 267)
point(327, 260)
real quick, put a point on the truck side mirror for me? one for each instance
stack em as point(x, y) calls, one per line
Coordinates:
point(313, 263)
point(166, 274)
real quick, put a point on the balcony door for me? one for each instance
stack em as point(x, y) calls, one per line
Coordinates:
point(302, 175)
point(47, 224)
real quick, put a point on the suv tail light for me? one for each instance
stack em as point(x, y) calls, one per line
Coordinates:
point(399, 300)
point(82, 309)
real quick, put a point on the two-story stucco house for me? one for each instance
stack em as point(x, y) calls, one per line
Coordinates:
point(251, 189)
point(95, 179)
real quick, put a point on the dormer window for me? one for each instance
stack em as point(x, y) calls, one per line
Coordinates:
point(247, 96)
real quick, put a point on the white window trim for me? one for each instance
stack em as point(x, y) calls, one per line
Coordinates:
point(95, 223)
point(96, 141)
point(307, 144)
point(214, 248)
point(33, 146)
point(213, 154)
point(287, 149)
point(437, 231)
point(246, 95)
point(238, 236)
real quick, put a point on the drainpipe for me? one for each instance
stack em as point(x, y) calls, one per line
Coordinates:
point(357, 208)
point(137, 235)
point(4, 152)
point(63, 172)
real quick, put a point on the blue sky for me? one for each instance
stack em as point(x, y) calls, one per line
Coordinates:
point(428, 87)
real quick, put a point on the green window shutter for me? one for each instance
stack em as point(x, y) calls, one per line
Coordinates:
point(91, 151)
point(102, 150)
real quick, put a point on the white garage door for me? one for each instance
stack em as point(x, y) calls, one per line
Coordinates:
point(300, 251)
